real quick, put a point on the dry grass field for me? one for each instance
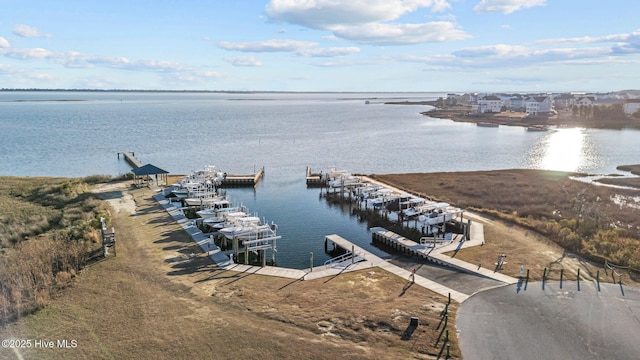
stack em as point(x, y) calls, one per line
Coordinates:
point(518, 206)
point(161, 298)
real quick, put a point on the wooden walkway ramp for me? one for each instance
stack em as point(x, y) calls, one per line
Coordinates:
point(436, 253)
point(374, 261)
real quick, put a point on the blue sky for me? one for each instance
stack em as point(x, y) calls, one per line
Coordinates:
point(322, 45)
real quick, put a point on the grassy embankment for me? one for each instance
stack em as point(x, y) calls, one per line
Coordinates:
point(48, 230)
point(162, 298)
point(580, 217)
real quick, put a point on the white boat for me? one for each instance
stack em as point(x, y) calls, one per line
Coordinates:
point(241, 226)
point(217, 218)
point(380, 197)
point(412, 207)
point(214, 208)
point(343, 181)
point(439, 215)
point(180, 193)
point(199, 182)
point(229, 218)
point(208, 201)
point(364, 191)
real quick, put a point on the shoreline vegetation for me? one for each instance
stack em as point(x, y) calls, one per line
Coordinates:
point(49, 231)
point(598, 223)
point(564, 118)
point(161, 289)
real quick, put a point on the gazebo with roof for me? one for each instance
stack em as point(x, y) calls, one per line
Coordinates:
point(146, 172)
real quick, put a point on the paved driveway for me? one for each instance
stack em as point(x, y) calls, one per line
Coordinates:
point(512, 322)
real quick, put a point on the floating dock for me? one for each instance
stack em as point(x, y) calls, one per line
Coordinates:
point(130, 157)
point(242, 180)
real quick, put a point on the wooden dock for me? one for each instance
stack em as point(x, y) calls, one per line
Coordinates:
point(242, 180)
point(436, 254)
point(130, 157)
point(315, 179)
point(346, 245)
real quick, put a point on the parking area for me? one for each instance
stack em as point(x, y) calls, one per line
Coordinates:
point(532, 321)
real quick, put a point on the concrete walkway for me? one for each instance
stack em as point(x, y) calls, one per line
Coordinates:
point(437, 253)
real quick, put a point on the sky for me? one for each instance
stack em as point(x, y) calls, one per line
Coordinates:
point(322, 45)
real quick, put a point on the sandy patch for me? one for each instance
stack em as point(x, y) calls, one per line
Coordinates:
point(118, 196)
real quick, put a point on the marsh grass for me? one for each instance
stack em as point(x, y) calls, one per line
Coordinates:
point(48, 228)
point(580, 217)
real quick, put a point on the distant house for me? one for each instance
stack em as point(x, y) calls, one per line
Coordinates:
point(585, 100)
point(631, 106)
point(538, 105)
point(564, 101)
point(517, 102)
point(453, 99)
point(490, 104)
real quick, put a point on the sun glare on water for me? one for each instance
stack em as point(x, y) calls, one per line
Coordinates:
point(563, 150)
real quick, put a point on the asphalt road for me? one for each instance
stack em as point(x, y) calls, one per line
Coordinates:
point(532, 322)
point(457, 280)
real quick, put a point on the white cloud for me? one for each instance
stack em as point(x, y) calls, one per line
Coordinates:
point(508, 56)
point(273, 45)
point(633, 37)
point(41, 76)
point(27, 31)
point(400, 34)
point(499, 50)
point(243, 61)
point(344, 63)
point(367, 21)
point(506, 6)
point(324, 14)
point(3, 42)
point(26, 54)
point(621, 43)
point(303, 48)
point(210, 74)
point(73, 60)
point(329, 52)
point(13, 72)
point(4, 68)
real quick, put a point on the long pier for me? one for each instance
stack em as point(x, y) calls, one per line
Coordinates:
point(130, 157)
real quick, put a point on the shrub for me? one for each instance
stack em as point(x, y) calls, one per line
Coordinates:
point(48, 230)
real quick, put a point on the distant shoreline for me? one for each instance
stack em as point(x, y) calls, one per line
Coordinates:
point(563, 119)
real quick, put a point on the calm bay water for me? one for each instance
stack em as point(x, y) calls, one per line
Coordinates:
point(74, 134)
